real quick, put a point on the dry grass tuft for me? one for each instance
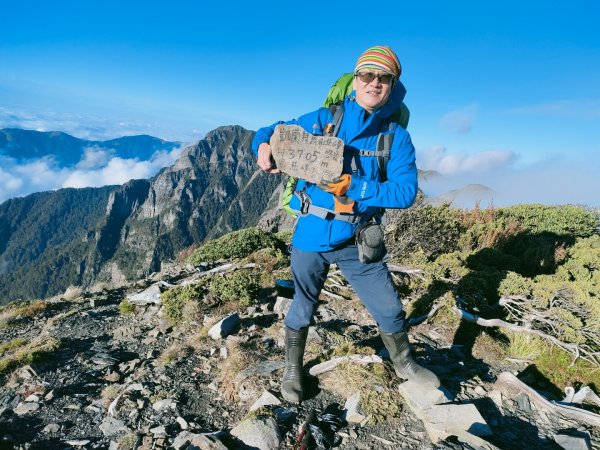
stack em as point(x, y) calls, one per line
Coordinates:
point(239, 359)
point(174, 353)
point(24, 354)
point(15, 311)
point(381, 404)
point(12, 345)
point(525, 346)
point(127, 441)
point(110, 392)
point(488, 349)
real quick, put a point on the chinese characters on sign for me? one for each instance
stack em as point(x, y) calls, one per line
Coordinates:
point(303, 155)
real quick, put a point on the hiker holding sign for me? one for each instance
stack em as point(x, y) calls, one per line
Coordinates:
point(337, 217)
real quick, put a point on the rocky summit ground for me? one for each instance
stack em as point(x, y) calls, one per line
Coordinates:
point(129, 380)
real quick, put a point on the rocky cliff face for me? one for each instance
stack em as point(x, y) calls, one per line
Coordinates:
point(130, 230)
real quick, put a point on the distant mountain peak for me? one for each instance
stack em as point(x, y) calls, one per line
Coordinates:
point(67, 150)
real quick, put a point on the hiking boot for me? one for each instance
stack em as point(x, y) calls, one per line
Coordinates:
point(291, 383)
point(404, 364)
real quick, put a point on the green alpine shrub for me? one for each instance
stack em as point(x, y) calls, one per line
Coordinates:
point(240, 286)
point(561, 220)
point(237, 244)
point(174, 300)
point(434, 230)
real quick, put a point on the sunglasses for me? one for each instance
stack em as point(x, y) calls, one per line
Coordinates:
point(367, 77)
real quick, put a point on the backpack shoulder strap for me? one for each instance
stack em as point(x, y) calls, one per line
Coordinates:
point(384, 149)
point(337, 111)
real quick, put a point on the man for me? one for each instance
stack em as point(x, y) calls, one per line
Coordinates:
point(354, 198)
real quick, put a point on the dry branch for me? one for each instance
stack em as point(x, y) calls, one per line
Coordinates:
point(407, 270)
point(417, 320)
point(508, 379)
point(577, 351)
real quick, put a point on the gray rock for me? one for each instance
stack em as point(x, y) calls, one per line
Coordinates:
point(26, 408)
point(150, 295)
point(33, 398)
point(571, 442)
point(442, 421)
point(51, 428)
point(326, 314)
point(78, 443)
point(262, 368)
point(496, 397)
point(186, 440)
point(247, 392)
point(353, 413)
point(182, 423)
point(128, 366)
point(479, 391)
point(224, 327)
point(134, 387)
point(282, 306)
point(159, 431)
point(167, 403)
point(126, 333)
point(111, 426)
point(91, 409)
point(265, 399)
point(523, 403)
point(260, 433)
point(27, 372)
point(104, 359)
point(150, 312)
point(419, 398)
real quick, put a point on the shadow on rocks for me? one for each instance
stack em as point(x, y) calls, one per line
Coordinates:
point(15, 430)
point(511, 431)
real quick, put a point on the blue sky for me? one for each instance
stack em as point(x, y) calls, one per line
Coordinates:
point(506, 94)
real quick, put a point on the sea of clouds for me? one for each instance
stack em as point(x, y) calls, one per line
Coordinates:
point(98, 167)
point(556, 180)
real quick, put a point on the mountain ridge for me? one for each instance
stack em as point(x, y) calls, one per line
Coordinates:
point(67, 150)
point(129, 230)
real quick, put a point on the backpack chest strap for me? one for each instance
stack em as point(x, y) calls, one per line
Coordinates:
point(383, 153)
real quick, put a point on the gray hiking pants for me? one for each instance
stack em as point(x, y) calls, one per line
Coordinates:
point(371, 282)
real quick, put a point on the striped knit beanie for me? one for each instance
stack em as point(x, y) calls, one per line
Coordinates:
point(379, 57)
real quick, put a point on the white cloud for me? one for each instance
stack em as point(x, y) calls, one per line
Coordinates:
point(9, 183)
point(587, 108)
point(97, 168)
point(94, 158)
point(460, 120)
point(89, 126)
point(438, 158)
point(554, 181)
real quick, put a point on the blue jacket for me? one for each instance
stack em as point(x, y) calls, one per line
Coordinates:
point(319, 235)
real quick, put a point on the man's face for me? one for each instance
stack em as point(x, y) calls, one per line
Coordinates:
point(372, 88)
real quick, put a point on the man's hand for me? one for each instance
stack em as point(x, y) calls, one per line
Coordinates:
point(343, 204)
point(265, 159)
point(337, 186)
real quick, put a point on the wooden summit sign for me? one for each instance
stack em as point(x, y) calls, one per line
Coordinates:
point(306, 156)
